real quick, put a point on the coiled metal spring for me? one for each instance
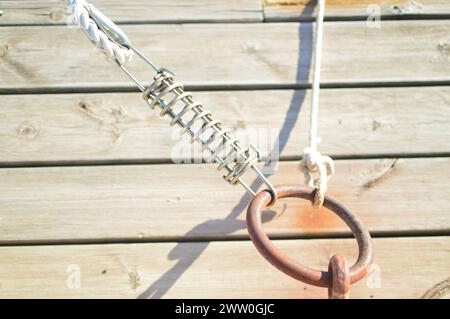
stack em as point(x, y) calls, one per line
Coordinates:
point(179, 105)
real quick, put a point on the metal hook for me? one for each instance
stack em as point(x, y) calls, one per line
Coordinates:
point(116, 35)
point(109, 27)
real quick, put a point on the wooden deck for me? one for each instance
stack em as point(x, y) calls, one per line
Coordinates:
point(92, 205)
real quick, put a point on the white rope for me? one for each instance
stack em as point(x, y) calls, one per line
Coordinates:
point(80, 9)
point(316, 167)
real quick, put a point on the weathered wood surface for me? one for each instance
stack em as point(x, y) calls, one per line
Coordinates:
point(138, 202)
point(134, 11)
point(46, 12)
point(276, 10)
point(404, 268)
point(134, 204)
point(202, 55)
point(110, 127)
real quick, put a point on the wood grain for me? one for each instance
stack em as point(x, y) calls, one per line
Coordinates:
point(137, 202)
point(212, 55)
point(82, 128)
point(215, 270)
point(49, 12)
point(297, 10)
point(123, 221)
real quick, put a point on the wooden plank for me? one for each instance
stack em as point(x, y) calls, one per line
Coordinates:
point(216, 270)
point(47, 12)
point(262, 55)
point(120, 127)
point(138, 202)
point(300, 10)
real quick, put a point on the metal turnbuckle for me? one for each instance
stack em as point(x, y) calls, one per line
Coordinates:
point(338, 277)
point(169, 96)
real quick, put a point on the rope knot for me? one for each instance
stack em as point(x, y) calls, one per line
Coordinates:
point(317, 169)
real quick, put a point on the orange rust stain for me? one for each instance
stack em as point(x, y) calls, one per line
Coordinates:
point(311, 219)
point(298, 214)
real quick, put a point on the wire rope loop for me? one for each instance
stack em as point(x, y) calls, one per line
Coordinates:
point(290, 267)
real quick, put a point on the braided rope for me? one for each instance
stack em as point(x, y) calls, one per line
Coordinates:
point(80, 10)
point(317, 167)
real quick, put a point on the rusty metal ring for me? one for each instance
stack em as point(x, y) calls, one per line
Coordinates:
point(340, 279)
point(289, 266)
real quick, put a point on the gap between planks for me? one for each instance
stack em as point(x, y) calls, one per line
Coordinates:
point(232, 238)
point(165, 161)
point(222, 87)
